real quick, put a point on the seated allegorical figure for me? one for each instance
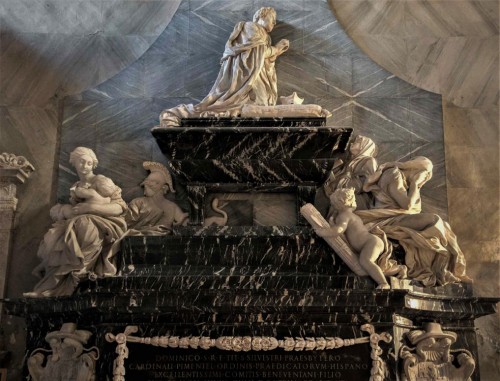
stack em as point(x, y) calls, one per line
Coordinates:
point(432, 254)
point(153, 214)
point(81, 240)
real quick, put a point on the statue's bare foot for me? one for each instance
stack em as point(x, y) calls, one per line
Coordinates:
point(403, 272)
point(32, 294)
point(383, 286)
point(466, 279)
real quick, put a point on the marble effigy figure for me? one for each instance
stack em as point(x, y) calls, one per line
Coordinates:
point(81, 242)
point(430, 358)
point(68, 359)
point(153, 214)
point(247, 84)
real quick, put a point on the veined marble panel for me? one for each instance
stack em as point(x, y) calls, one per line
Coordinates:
point(468, 204)
point(323, 34)
point(445, 18)
point(471, 127)
point(425, 119)
point(51, 16)
point(63, 47)
point(140, 18)
point(449, 47)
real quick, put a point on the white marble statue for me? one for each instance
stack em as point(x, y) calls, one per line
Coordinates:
point(432, 254)
point(370, 247)
point(430, 357)
point(153, 214)
point(361, 164)
point(68, 359)
point(246, 84)
point(81, 240)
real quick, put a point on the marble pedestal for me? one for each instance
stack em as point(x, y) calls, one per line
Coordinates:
point(209, 302)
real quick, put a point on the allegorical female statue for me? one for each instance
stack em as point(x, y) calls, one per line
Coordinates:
point(432, 252)
point(81, 240)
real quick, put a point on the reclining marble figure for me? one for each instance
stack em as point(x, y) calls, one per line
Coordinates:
point(246, 85)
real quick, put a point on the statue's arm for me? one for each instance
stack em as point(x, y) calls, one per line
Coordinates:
point(335, 229)
point(273, 52)
point(104, 210)
point(180, 218)
point(404, 198)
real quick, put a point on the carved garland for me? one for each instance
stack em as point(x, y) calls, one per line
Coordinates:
point(248, 343)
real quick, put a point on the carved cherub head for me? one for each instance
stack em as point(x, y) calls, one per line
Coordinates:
point(343, 198)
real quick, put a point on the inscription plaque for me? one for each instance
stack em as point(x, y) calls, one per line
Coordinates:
point(166, 364)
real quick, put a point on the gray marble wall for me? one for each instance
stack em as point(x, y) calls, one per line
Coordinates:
point(323, 65)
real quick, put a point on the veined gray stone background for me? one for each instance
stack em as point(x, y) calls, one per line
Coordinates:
point(323, 65)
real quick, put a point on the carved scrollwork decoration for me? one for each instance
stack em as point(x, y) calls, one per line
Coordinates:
point(11, 161)
point(121, 351)
point(379, 368)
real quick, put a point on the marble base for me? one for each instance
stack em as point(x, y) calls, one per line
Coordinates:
point(251, 278)
point(253, 122)
point(246, 281)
